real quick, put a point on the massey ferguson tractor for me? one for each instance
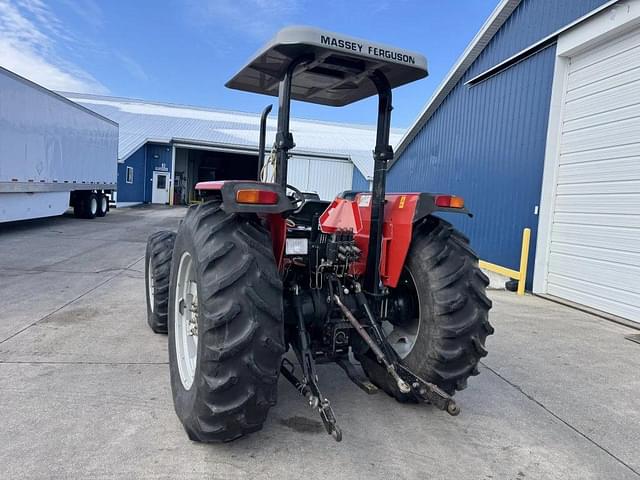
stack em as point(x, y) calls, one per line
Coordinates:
point(376, 283)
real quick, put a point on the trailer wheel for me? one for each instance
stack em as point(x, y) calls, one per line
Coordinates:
point(85, 205)
point(438, 312)
point(226, 330)
point(102, 204)
point(91, 205)
point(157, 272)
point(77, 205)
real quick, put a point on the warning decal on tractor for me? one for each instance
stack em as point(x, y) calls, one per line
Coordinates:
point(364, 200)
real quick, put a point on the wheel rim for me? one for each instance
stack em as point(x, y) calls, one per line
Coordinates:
point(151, 285)
point(404, 316)
point(94, 205)
point(103, 204)
point(186, 320)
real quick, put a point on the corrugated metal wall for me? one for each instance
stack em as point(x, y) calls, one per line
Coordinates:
point(132, 192)
point(359, 182)
point(487, 142)
point(530, 22)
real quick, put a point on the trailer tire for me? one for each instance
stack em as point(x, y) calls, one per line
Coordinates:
point(157, 272)
point(85, 205)
point(78, 206)
point(103, 205)
point(453, 312)
point(225, 385)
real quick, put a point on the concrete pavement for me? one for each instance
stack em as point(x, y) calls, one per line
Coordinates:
point(84, 389)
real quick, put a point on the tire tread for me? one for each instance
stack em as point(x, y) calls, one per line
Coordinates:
point(459, 324)
point(241, 323)
point(158, 257)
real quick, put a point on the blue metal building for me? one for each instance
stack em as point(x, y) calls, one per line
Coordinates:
point(143, 162)
point(483, 134)
point(538, 125)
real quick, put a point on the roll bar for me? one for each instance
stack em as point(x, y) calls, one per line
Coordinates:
point(382, 154)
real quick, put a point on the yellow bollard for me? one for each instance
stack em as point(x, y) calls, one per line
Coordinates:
point(524, 258)
point(520, 275)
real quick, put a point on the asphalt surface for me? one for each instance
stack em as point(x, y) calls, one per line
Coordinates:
point(84, 387)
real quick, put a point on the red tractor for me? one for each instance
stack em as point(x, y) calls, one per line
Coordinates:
point(261, 268)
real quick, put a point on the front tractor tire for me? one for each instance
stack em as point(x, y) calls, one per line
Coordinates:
point(226, 330)
point(441, 312)
point(157, 272)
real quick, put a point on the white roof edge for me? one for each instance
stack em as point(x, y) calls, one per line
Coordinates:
point(551, 36)
point(497, 18)
point(195, 144)
point(140, 144)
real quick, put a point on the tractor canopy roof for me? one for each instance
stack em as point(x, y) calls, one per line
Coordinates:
point(337, 69)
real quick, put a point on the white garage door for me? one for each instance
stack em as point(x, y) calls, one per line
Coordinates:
point(326, 177)
point(594, 255)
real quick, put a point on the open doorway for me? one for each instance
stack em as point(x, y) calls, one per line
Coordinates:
point(193, 166)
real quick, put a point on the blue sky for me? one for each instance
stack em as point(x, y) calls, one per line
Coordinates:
point(183, 51)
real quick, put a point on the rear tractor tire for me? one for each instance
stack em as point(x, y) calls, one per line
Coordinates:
point(441, 312)
point(226, 329)
point(157, 272)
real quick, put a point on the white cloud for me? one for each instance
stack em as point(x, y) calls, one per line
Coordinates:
point(257, 18)
point(29, 35)
point(88, 10)
point(133, 67)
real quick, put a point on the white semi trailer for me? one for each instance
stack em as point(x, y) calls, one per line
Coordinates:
point(54, 154)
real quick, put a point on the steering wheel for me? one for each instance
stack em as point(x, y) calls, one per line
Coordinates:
point(298, 198)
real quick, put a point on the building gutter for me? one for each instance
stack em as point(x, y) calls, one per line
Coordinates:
point(535, 47)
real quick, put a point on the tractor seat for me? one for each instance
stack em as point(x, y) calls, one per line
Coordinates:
point(311, 208)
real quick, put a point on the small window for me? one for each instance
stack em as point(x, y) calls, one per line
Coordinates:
point(161, 183)
point(129, 177)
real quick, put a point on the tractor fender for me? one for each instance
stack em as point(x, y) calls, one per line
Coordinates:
point(402, 212)
point(226, 190)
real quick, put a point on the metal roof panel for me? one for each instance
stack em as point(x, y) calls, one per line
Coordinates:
point(142, 121)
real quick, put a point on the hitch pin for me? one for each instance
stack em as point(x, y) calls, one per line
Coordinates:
point(402, 385)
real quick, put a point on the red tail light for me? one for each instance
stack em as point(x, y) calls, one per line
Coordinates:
point(449, 201)
point(256, 196)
